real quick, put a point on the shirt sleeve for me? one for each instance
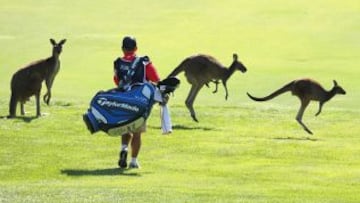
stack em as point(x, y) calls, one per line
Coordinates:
point(151, 73)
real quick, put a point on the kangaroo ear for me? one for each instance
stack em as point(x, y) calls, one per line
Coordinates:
point(52, 41)
point(235, 57)
point(335, 83)
point(62, 42)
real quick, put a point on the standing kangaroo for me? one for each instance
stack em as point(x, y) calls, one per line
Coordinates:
point(26, 82)
point(306, 90)
point(202, 69)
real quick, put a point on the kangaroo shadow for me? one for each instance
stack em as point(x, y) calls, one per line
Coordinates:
point(62, 104)
point(99, 172)
point(297, 138)
point(22, 118)
point(183, 127)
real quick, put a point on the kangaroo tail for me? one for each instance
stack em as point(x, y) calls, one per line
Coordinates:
point(178, 69)
point(282, 90)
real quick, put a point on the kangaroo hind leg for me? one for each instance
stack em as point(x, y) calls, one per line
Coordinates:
point(190, 101)
point(304, 104)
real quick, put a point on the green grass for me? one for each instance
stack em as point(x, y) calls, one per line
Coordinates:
point(240, 151)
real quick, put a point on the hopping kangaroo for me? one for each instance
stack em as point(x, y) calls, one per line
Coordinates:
point(26, 82)
point(306, 90)
point(202, 69)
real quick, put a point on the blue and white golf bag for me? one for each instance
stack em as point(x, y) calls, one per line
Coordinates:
point(116, 112)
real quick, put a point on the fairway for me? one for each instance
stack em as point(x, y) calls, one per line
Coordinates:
point(240, 151)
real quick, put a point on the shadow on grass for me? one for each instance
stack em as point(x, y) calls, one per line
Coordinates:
point(296, 138)
point(62, 103)
point(99, 172)
point(22, 118)
point(183, 127)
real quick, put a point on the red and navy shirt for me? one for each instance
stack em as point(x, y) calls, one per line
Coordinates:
point(131, 69)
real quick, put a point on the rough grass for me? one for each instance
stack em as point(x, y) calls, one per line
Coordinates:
point(240, 151)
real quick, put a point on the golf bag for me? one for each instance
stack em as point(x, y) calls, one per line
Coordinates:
point(116, 112)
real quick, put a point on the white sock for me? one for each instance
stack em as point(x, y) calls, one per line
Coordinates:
point(133, 160)
point(124, 147)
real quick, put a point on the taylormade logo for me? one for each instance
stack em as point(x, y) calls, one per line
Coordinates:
point(114, 104)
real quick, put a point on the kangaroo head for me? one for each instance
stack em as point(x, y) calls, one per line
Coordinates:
point(236, 64)
point(338, 89)
point(57, 47)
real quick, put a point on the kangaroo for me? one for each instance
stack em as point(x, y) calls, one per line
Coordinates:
point(202, 69)
point(306, 90)
point(26, 82)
